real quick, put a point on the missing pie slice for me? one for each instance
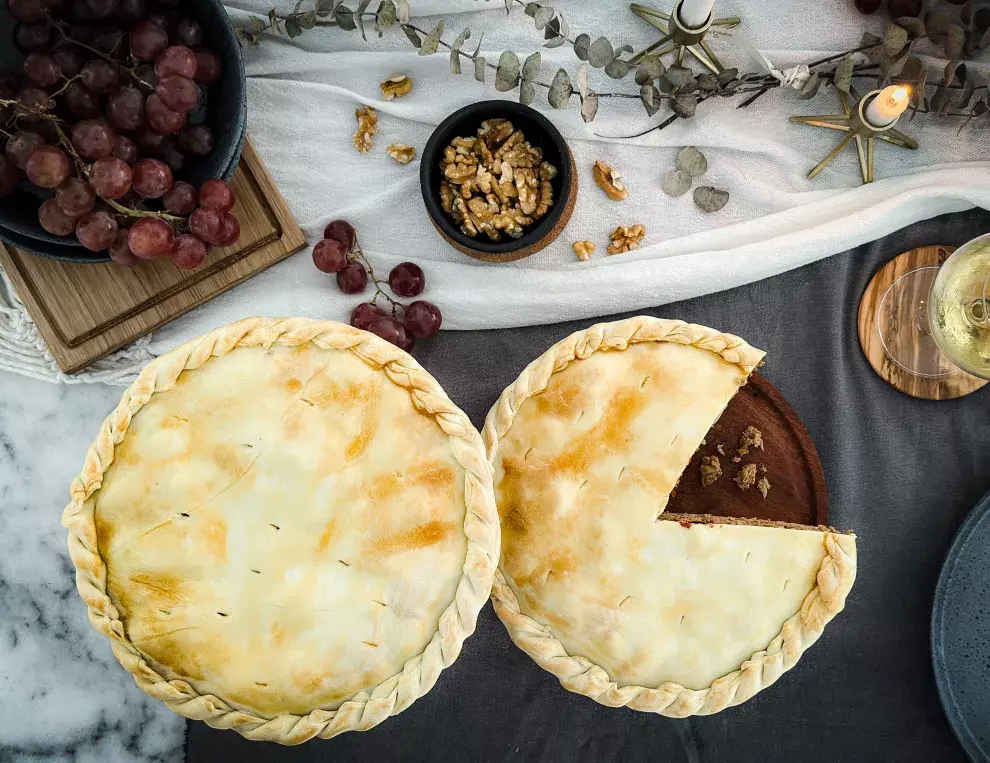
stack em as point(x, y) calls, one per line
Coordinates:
point(673, 614)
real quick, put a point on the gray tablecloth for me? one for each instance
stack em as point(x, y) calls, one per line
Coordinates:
point(902, 473)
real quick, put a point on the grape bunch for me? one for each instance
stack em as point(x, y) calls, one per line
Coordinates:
point(110, 105)
point(338, 253)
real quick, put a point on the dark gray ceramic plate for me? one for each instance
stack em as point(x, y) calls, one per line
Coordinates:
point(961, 633)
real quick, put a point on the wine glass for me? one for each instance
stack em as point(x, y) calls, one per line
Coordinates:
point(935, 321)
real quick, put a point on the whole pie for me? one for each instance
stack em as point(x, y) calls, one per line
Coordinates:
point(674, 614)
point(285, 528)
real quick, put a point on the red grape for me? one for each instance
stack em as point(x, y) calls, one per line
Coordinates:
point(151, 179)
point(75, 197)
point(149, 141)
point(148, 40)
point(69, 62)
point(130, 11)
point(28, 11)
point(145, 79)
point(54, 219)
point(206, 225)
point(120, 252)
point(125, 108)
point(10, 176)
point(126, 149)
point(21, 145)
point(329, 255)
point(231, 231)
point(197, 140)
point(188, 252)
point(82, 102)
point(352, 278)
point(110, 177)
point(407, 279)
point(342, 231)
point(173, 157)
point(181, 199)
point(392, 331)
point(47, 166)
point(41, 69)
point(100, 76)
point(208, 66)
point(216, 194)
point(31, 101)
point(96, 230)
point(92, 139)
point(176, 60)
point(365, 314)
point(901, 8)
point(107, 40)
point(162, 118)
point(158, 20)
point(422, 319)
point(150, 237)
point(178, 93)
point(28, 37)
point(101, 8)
point(188, 32)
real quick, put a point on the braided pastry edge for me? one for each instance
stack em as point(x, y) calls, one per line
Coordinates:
point(365, 709)
point(578, 674)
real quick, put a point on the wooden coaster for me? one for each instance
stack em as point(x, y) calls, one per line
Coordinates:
point(87, 311)
point(797, 485)
point(957, 384)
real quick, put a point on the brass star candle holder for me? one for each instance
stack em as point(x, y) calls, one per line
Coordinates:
point(857, 127)
point(681, 39)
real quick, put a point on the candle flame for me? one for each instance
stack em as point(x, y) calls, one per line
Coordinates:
point(899, 94)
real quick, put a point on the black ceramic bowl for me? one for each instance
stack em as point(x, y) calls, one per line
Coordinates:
point(226, 117)
point(539, 132)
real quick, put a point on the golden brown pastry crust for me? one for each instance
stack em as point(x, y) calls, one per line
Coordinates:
point(573, 572)
point(353, 702)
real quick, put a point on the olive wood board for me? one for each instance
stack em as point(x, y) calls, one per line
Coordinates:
point(797, 484)
point(86, 311)
point(949, 387)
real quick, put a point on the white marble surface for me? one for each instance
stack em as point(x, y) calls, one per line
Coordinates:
point(63, 696)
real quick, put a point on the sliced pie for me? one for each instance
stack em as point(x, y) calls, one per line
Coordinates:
point(285, 528)
point(678, 615)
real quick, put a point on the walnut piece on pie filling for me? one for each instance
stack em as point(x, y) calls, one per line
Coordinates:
point(396, 86)
point(367, 120)
point(750, 438)
point(501, 178)
point(404, 154)
point(583, 249)
point(609, 181)
point(711, 470)
point(763, 486)
point(626, 238)
point(746, 477)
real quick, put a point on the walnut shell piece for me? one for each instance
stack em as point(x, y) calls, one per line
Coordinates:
point(402, 153)
point(583, 249)
point(367, 119)
point(396, 86)
point(609, 181)
point(626, 238)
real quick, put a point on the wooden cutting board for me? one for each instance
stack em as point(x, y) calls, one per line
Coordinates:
point(797, 493)
point(87, 311)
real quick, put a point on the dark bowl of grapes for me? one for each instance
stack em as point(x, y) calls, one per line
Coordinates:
point(122, 121)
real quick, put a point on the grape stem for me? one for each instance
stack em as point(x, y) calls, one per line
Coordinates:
point(357, 254)
point(130, 212)
point(95, 52)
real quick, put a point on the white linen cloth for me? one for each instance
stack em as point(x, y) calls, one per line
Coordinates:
point(301, 100)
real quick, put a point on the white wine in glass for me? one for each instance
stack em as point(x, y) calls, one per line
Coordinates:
point(959, 307)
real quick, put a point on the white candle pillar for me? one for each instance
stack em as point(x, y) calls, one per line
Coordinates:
point(694, 13)
point(889, 104)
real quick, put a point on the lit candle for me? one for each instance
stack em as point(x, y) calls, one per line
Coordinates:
point(694, 13)
point(887, 106)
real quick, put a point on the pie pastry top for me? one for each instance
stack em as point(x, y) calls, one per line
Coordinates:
point(676, 617)
point(285, 528)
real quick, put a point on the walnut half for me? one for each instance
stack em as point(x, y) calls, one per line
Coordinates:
point(367, 120)
point(402, 153)
point(583, 249)
point(396, 86)
point(609, 181)
point(625, 238)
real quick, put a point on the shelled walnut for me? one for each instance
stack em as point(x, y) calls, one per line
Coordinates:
point(583, 249)
point(610, 181)
point(396, 86)
point(402, 153)
point(367, 120)
point(496, 182)
point(625, 238)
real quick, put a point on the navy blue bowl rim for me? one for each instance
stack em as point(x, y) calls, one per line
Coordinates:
point(945, 694)
point(547, 137)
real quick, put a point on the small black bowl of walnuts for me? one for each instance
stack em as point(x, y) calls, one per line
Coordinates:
point(498, 181)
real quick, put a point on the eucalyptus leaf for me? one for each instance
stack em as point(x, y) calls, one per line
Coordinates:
point(531, 9)
point(649, 70)
point(912, 69)
point(600, 53)
point(811, 87)
point(618, 68)
point(555, 42)
point(589, 107)
point(984, 40)
point(940, 99)
point(965, 96)
point(726, 76)
point(915, 26)
point(560, 25)
point(507, 75)
point(477, 50)
point(954, 71)
point(385, 17)
point(292, 27)
point(527, 92)
point(650, 97)
point(966, 13)
point(404, 11)
point(455, 51)
point(955, 39)
point(894, 39)
point(676, 183)
point(937, 22)
point(432, 40)
point(560, 90)
point(707, 83)
point(307, 20)
point(581, 45)
point(582, 78)
point(363, 6)
point(684, 105)
point(843, 74)
point(412, 35)
point(875, 51)
point(324, 8)
point(692, 161)
point(543, 17)
point(531, 67)
point(710, 199)
point(663, 85)
point(480, 65)
point(918, 94)
point(680, 77)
